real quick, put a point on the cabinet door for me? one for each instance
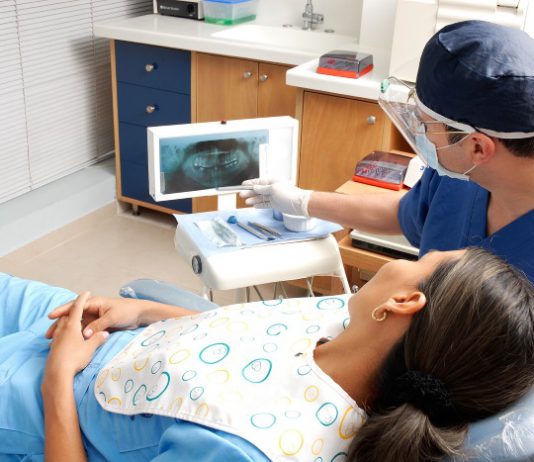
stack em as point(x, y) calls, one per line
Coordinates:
point(226, 88)
point(275, 98)
point(336, 133)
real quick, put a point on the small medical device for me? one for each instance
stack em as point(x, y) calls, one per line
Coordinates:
point(207, 159)
point(193, 9)
point(352, 64)
point(383, 169)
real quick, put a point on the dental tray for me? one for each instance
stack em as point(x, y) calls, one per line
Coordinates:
point(187, 227)
point(352, 64)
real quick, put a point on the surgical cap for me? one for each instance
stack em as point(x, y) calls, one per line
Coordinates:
point(479, 74)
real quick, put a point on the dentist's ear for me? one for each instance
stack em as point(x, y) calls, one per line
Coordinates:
point(483, 148)
point(407, 304)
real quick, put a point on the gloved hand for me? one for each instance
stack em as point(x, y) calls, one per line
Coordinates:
point(278, 195)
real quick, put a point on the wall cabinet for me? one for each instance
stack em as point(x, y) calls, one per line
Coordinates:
point(234, 88)
point(336, 132)
point(151, 86)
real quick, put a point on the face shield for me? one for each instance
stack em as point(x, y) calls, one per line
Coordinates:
point(399, 101)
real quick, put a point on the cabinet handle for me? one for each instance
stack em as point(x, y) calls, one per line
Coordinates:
point(151, 108)
point(150, 67)
point(371, 120)
point(263, 77)
point(247, 75)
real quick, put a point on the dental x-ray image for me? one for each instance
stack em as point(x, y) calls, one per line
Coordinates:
point(210, 161)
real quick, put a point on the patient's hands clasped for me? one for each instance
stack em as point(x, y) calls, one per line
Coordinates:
point(70, 352)
point(102, 314)
point(112, 314)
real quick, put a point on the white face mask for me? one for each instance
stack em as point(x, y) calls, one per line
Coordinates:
point(428, 152)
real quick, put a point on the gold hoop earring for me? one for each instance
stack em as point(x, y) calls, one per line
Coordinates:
point(377, 318)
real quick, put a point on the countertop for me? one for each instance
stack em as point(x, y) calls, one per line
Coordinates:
point(254, 41)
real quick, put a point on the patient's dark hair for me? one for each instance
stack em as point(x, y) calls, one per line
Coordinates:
point(471, 352)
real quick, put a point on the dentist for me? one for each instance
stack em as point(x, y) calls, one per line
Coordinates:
point(470, 117)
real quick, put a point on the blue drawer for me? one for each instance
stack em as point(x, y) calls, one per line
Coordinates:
point(133, 144)
point(134, 184)
point(171, 68)
point(167, 108)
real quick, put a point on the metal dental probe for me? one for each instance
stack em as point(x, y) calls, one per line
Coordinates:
point(265, 228)
point(233, 220)
point(255, 232)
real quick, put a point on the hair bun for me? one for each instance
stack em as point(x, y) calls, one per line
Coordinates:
point(426, 393)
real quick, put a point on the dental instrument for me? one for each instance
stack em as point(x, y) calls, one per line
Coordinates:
point(233, 220)
point(265, 228)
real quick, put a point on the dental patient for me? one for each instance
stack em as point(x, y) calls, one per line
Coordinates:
point(395, 372)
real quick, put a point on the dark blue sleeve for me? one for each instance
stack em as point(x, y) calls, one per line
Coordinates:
point(188, 442)
point(414, 206)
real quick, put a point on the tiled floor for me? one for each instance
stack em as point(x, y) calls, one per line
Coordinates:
point(107, 248)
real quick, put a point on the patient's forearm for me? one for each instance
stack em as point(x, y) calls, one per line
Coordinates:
point(153, 312)
point(63, 438)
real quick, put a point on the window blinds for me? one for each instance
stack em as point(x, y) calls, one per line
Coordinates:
point(55, 88)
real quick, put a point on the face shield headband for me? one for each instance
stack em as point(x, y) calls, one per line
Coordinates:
point(400, 103)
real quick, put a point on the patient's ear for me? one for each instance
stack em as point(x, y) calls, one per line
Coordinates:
point(405, 304)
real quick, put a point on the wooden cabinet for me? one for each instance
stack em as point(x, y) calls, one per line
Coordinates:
point(233, 88)
point(336, 133)
point(151, 86)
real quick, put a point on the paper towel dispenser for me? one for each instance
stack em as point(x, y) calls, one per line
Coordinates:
point(417, 20)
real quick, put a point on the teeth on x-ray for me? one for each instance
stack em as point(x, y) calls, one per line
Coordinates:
point(196, 163)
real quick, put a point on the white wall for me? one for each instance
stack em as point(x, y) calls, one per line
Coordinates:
point(48, 208)
point(344, 16)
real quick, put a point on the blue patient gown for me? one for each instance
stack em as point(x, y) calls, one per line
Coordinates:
point(441, 213)
point(23, 352)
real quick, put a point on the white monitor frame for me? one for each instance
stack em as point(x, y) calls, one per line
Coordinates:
point(277, 159)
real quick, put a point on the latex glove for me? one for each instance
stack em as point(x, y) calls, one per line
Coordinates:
point(278, 195)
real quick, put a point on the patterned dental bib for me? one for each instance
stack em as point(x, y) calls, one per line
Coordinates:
point(245, 369)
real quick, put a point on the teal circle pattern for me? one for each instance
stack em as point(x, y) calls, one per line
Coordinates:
point(327, 414)
point(276, 329)
point(196, 393)
point(330, 304)
point(188, 375)
point(156, 367)
point(167, 378)
point(263, 420)
point(214, 353)
point(304, 370)
point(153, 338)
point(135, 398)
point(257, 371)
point(128, 386)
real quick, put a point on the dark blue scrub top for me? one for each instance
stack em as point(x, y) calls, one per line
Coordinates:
point(442, 213)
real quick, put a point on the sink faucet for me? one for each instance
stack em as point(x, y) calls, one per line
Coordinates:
point(309, 18)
